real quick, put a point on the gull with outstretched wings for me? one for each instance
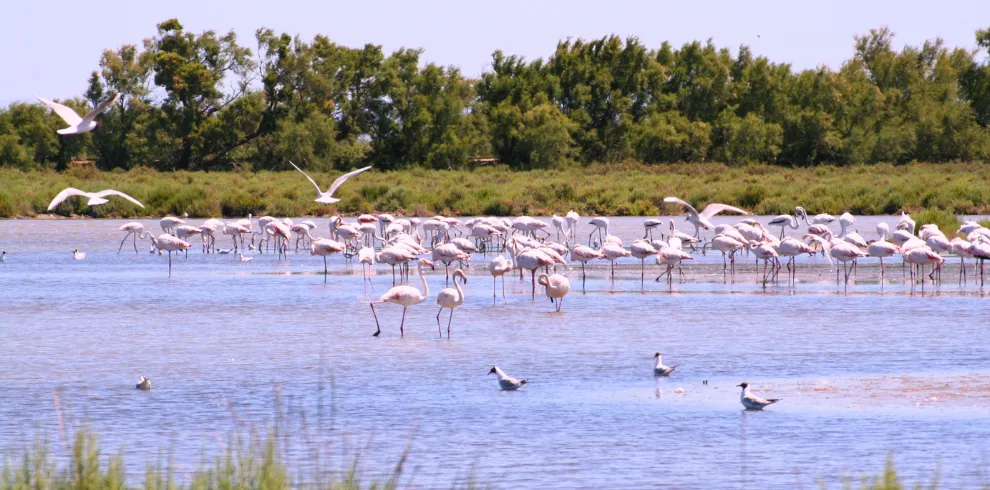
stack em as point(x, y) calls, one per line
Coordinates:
point(79, 125)
point(95, 198)
point(702, 220)
point(327, 197)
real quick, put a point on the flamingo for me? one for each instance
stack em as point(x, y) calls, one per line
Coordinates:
point(613, 253)
point(183, 232)
point(881, 249)
point(559, 224)
point(641, 249)
point(961, 248)
point(767, 253)
point(784, 221)
point(846, 220)
point(980, 250)
point(449, 253)
point(404, 295)
point(905, 223)
point(572, 221)
point(498, 267)
point(599, 224)
point(531, 260)
point(921, 257)
point(557, 286)
point(670, 256)
point(450, 298)
point(584, 255)
point(325, 247)
point(818, 219)
point(95, 198)
point(327, 197)
point(395, 255)
point(702, 220)
point(170, 244)
point(366, 256)
point(136, 229)
point(728, 244)
point(791, 247)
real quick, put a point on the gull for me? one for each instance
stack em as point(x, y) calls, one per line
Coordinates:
point(144, 384)
point(505, 382)
point(243, 258)
point(3, 255)
point(78, 255)
point(701, 220)
point(753, 402)
point(76, 124)
point(327, 197)
point(660, 369)
point(95, 198)
point(226, 251)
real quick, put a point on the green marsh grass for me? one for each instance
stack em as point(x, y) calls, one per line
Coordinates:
point(627, 189)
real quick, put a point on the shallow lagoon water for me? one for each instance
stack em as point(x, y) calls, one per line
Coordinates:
point(233, 347)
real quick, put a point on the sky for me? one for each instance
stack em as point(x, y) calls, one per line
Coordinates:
point(48, 48)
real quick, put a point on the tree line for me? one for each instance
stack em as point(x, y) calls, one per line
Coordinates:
point(206, 102)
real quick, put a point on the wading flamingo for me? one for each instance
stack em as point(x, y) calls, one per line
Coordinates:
point(450, 298)
point(325, 247)
point(170, 244)
point(557, 287)
point(599, 224)
point(499, 266)
point(366, 256)
point(137, 230)
point(404, 295)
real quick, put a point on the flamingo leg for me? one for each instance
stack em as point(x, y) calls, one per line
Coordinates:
point(449, 319)
point(169, 263)
point(532, 276)
point(438, 321)
point(494, 287)
point(503, 290)
point(377, 325)
point(402, 324)
point(128, 235)
point(325, 271)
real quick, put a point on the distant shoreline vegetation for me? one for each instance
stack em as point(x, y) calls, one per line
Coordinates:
point(622, 189)
point(206, 101)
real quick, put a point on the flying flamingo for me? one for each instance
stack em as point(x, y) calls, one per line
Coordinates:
point(702, 220)
point(499, 266)
point(137, 230)
point(327, 197)
point(169, 244)
point(450, 298)
point(557, 286)
point(95, 198)
point(404, 295)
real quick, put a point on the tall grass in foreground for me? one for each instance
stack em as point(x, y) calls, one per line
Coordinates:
point(251, 466)
point(628, 189)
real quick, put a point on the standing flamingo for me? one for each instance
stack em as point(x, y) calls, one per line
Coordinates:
point(325, 247)
point(785, 221)
point(170, 244)
point(584, 255)
point(450, 298)
point(641, 249)
point(499, 266)
point(599, 224)
point(367, 257)
point(557, 286)
point(613, 253)
point(137, 230)
point(404, 295)
point(880, 249)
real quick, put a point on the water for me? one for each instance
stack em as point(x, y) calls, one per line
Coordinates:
point(236, 347)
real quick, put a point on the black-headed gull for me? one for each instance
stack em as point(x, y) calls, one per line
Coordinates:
point(660, 369)
point(143, 384)
point(505, 382)
point(327, 197)
point(753, 402)
point(95, 198)
point(79, 125)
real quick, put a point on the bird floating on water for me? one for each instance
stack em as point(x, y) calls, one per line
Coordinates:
point(751, 401)
point(243, 258)
point(506, 382)
point(144, 384)
point(660, 369)
point(78, 255)
point(95, 198)
point(79, 125)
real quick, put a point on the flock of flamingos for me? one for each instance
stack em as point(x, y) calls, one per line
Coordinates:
point(400, 242)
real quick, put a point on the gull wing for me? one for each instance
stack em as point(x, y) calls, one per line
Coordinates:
point(682, 203)
point(111, 192)
point(715, 208)
point(68, 115)
point(318, 191)
point(343, 178)
point(67, 193)
point(102, 107)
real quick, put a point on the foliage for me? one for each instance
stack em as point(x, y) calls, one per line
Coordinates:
point(206, 102)
point(625, 189)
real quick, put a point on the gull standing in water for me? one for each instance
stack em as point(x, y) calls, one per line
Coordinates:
point(505, 382)
point(327, 197)
point(753, 402)
point(660, 369)
point(143, 384)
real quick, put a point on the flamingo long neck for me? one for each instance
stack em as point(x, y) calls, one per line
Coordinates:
point(460, 292)
point(426, 286)
point(842, 232)
point(794, 222)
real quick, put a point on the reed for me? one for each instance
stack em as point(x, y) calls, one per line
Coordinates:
point(627, 189)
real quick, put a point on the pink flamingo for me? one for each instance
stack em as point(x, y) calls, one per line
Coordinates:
point(170, 243)
point(499, 266)
point(404, 295)
point(450, 298)
point(557, 286)
point(136, 229)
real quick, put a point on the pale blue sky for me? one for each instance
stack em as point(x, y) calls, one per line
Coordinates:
point(49, 47)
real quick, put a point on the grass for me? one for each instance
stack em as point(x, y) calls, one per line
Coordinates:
point(250, 466)
point(628, 189)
